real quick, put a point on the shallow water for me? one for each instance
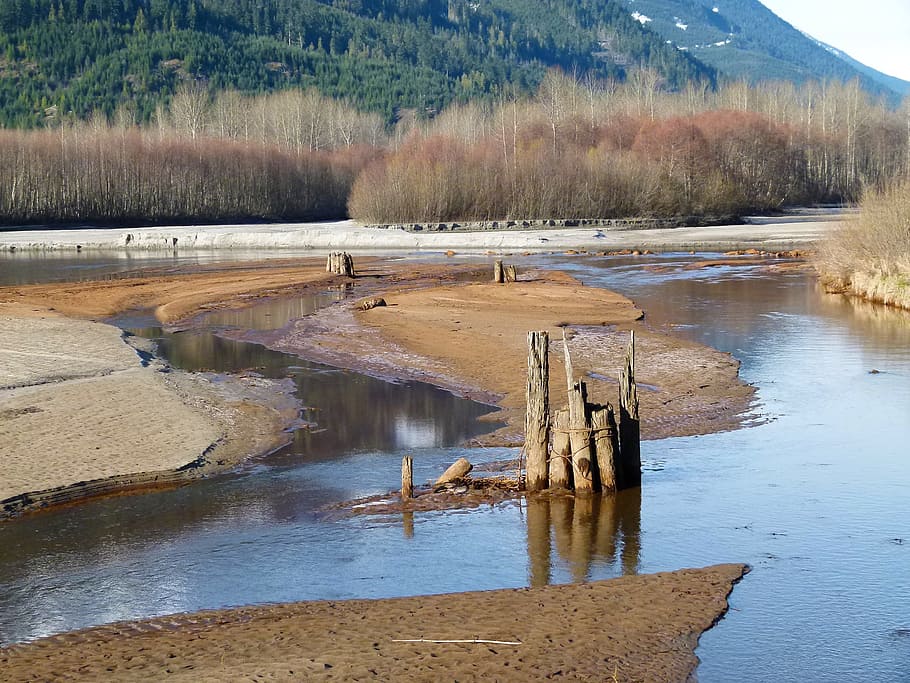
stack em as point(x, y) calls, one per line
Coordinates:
point(815, 499)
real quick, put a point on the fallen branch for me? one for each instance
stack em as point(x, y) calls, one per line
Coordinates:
point(472, 641)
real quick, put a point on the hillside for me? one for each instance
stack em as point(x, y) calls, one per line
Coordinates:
point(744, 39)
point(63, 58)
point(898, 85)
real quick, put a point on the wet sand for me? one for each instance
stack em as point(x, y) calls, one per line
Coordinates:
point(78, 407)
point(174, 296)
point(635, 628)
point(471, 338)
point(81, 415)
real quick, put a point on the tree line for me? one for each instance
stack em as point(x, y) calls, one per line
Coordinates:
point(578, 148)
point(585, 149)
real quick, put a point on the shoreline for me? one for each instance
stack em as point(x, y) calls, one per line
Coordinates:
point(772, 234)
point(643, 627)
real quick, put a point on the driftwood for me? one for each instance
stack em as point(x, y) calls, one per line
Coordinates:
point(629, 425)
point(457, 471)
point(407, 478)
point(560, 469)
point(340, 263)
point(537, 422)
point(372, 302)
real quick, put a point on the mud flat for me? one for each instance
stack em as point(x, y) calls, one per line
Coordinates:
point(635, 628)
point(81, 414)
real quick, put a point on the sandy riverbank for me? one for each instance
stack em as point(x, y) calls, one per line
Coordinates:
point(471, 338)
point(772, 234)
point(82, 415)
point(636, 628)
point(445, 324)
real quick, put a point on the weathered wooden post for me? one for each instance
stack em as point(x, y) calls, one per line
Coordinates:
point(407, 477)
point(580, 440)
point(629, 429)
point(498, 276)
point(560, 470)
point(510, 274)
point(606, 446)
point(537, 417)
point(340, 263)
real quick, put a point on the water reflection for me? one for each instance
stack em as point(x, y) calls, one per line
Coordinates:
point(350, 412)
point(586, 532)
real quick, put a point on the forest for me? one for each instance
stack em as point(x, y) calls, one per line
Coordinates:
point(65, 59)
point(578, 147)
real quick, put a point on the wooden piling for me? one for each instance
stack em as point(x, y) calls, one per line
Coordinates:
point(561, 456)
point(580, 440)
point(340, 263)
point(407, 478)
point(629, 425)
point(498, 276)
point(537, 417)
point(606, 446)
point(510, 274)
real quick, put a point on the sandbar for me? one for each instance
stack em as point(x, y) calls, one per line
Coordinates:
point(635, 628)
point(81, 414)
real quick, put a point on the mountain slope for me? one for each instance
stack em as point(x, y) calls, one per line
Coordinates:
point(898, 85)
point(60, 56)
point(744, 39)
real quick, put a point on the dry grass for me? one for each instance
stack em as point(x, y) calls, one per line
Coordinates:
point(870, 256)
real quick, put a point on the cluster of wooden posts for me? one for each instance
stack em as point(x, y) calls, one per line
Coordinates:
point(504, 273)
point(340, 263)
point(584, 446)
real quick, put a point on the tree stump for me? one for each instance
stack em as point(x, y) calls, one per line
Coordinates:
point(340, 263)
point(407, 478)
point(583, 463)
point(537, 417)
point(457, 471)
point(606, 446)
point(561, 457)
point(629, 425)
point(498, 276)
point(510, 274)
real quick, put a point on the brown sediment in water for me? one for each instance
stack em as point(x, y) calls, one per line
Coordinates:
point(642, 628)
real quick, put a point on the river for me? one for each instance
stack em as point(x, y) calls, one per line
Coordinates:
point(814, 497)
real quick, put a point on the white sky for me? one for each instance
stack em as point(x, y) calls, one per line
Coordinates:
point(875, 32)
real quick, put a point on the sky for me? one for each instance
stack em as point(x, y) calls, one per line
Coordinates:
point(875, 32)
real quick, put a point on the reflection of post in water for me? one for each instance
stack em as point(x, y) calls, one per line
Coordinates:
point(582, 537)
point(539, 541)
point(587, 530)
point(407, 522)
point(629, 505)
